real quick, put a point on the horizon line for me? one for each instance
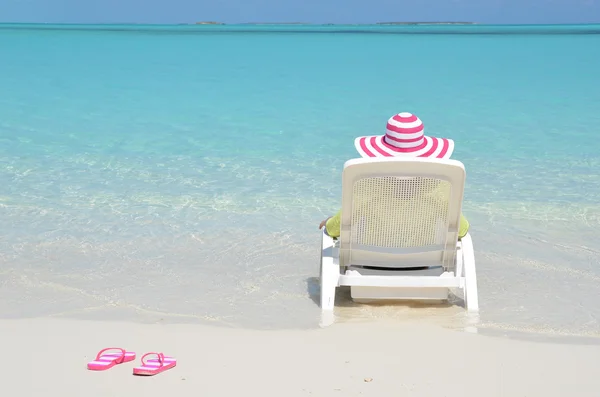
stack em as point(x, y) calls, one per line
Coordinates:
point(217, 23)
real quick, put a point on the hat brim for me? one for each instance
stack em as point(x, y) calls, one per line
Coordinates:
point(375, 146)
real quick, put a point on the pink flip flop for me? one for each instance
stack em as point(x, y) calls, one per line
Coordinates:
point(105, 361)
point(154, 365)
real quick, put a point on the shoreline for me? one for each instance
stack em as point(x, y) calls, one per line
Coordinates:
point(373, 359)
point(454, 321)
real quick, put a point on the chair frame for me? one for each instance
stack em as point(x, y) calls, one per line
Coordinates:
point(399, 281)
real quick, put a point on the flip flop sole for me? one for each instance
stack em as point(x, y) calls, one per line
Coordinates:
point(108, 360)
point(154, 367)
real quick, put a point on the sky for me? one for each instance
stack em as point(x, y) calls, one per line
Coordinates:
point(310, 11)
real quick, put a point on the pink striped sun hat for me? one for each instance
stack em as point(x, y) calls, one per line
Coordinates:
point(404, 137)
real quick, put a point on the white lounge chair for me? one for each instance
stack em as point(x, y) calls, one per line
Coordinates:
point(399, 233)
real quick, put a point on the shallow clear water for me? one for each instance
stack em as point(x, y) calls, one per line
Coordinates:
point(180, 173)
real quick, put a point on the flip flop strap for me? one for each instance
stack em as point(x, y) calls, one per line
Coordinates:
point(161, 358)
point(119, 360)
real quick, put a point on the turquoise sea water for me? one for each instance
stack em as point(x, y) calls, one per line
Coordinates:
point(179, 173)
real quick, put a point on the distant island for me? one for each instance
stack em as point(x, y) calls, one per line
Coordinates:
point(209, 23)
point(426, 23)
point(275, 23)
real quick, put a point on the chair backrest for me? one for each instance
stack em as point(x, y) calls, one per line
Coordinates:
point(401, 212)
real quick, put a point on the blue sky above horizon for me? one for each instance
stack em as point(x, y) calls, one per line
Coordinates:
point(312, 11)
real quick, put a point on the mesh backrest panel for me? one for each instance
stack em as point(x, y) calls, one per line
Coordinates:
point(397, 212)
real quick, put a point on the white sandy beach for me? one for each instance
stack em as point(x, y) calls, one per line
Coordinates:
point(48, 357)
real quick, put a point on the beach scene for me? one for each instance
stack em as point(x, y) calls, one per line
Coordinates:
point(162, 186)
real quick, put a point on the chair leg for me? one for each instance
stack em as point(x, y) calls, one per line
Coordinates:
point(459, 270)
point(471, 294)
point(328, 287)
point(329, 274)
